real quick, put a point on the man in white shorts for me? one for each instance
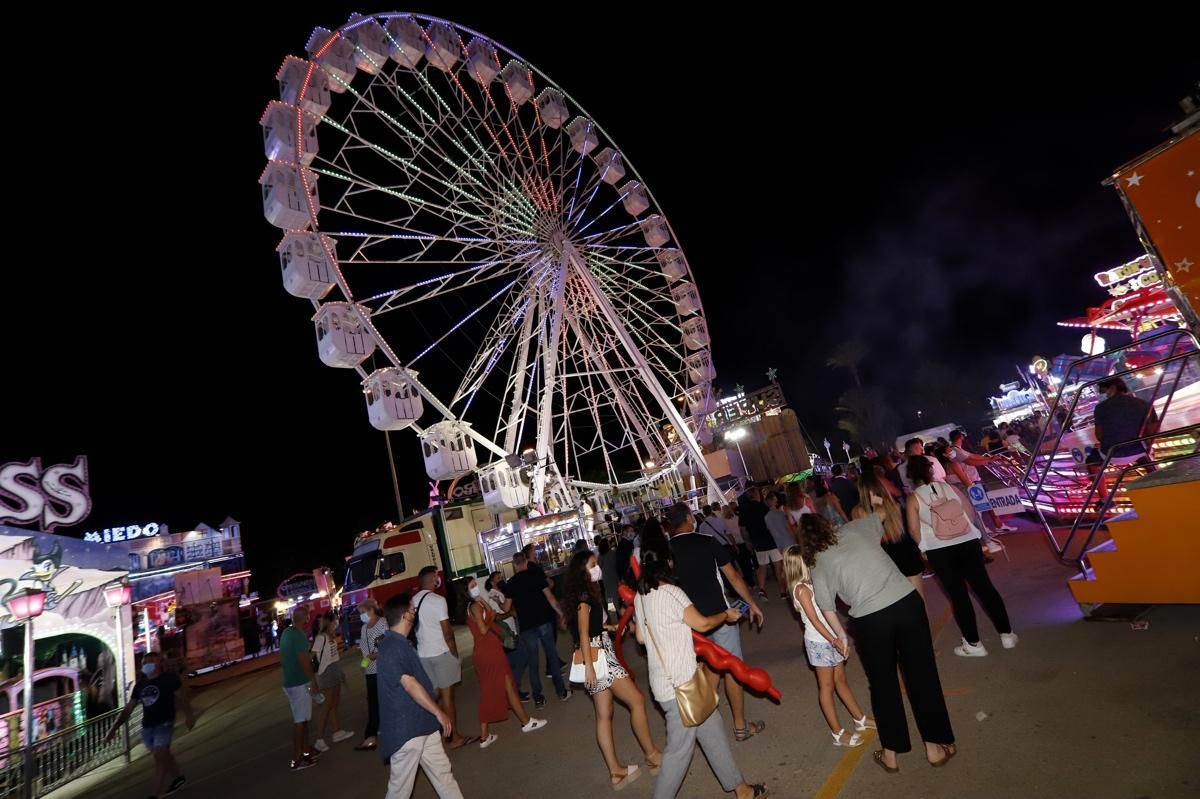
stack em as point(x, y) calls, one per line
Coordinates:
point(438, 650)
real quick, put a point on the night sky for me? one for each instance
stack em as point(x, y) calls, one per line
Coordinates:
point(934, 195)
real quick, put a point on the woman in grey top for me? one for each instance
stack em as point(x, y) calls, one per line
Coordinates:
point(890, 629)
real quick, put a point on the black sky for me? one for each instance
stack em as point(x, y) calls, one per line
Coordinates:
point(936, 194)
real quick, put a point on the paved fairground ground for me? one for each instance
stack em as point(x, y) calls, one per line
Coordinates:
point(1081, 708)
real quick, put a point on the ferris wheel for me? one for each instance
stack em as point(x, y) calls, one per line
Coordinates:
point(490, 263)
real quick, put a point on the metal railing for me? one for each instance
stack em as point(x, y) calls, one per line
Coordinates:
point(59, 758)
point(1042, 462)
point(1107, 499)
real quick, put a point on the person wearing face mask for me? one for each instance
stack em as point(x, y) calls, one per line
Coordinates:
point(156, 692)
point(585, 619)
point(368, 642)
point(497, 689)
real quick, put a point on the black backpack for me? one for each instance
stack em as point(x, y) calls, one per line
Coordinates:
point(412, 634)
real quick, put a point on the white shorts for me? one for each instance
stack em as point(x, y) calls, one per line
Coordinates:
point(444, 670)
point(300, 701)
point(768, 556)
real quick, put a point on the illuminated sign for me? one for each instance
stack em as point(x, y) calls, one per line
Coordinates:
point(1133, 276)
point(130, 532)
point(54, 497)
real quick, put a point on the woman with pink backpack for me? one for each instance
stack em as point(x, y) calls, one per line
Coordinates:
point(939, 523)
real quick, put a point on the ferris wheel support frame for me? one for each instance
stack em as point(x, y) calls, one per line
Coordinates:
point(644, 370)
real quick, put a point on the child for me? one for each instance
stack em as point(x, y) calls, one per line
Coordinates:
point(826, 650)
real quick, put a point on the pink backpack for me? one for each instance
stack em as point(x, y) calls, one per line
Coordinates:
point(946, 515)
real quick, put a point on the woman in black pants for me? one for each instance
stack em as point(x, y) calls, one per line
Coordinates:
point(890, 631)
point(941, 527)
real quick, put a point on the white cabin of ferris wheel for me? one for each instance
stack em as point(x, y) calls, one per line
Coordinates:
point(700, 400)
point(582, 133)
point(700, 367)
point(442, 49)
point(552, 108)
point(483, 63)
point(504, 487)
point(655, 230)
point(695, 333)
point(370, 43)
point(518, 82)
point(285, 196)
point(337, 58)
point(343, 340)
point(294, 77)
point(448, 449)
point(634, 198)
point(686, 297)
point(406, 41)
point(393, 401)
point(279, 133)
point(672, 263)
point(307, 269)
point(611, 166)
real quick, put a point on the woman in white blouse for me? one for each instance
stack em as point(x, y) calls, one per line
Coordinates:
point(935, 509)
point(666, 618)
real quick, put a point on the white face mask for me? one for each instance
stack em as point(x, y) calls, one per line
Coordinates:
point(473, 591)
point(366, 618)
point(595, 574)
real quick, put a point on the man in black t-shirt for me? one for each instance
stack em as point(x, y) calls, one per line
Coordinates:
point(156, 692)
point(699, 562)
point(536, 610)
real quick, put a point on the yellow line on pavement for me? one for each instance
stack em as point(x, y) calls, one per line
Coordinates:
point(845, 767)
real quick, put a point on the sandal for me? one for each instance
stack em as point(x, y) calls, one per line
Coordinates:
point(632, 772)
point(855, 738)
point(653, 767)
point(877, 756)
point(751, 729)
point(950, 751)
point(861, 725)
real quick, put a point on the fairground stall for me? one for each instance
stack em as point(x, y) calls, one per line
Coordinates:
point(78, 646)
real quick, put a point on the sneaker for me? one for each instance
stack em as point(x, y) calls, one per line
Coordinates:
point(342, 735)
point(1006, 528)
point(534, 724)
point(967, 650)
point(992, 546)
point(176, 784)
point(488, 741)
point(320, 745)
point(762, 594)
point(539, 702)
point(565, 695)
point(1009, 640)
point(525, 696)
point(303, 763)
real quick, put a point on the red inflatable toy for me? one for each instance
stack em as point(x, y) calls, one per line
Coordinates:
point(717, 657)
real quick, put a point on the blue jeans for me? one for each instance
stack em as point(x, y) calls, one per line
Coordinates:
point(529, 659)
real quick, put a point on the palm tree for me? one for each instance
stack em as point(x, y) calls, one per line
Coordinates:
point(848, 355)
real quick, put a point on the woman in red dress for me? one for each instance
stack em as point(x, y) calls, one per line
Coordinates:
point(497, 691)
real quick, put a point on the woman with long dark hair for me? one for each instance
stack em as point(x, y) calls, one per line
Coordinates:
point(666, 619)
point(584, 606)
point(890, 630)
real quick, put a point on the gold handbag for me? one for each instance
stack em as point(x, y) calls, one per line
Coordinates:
point(697, 698)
